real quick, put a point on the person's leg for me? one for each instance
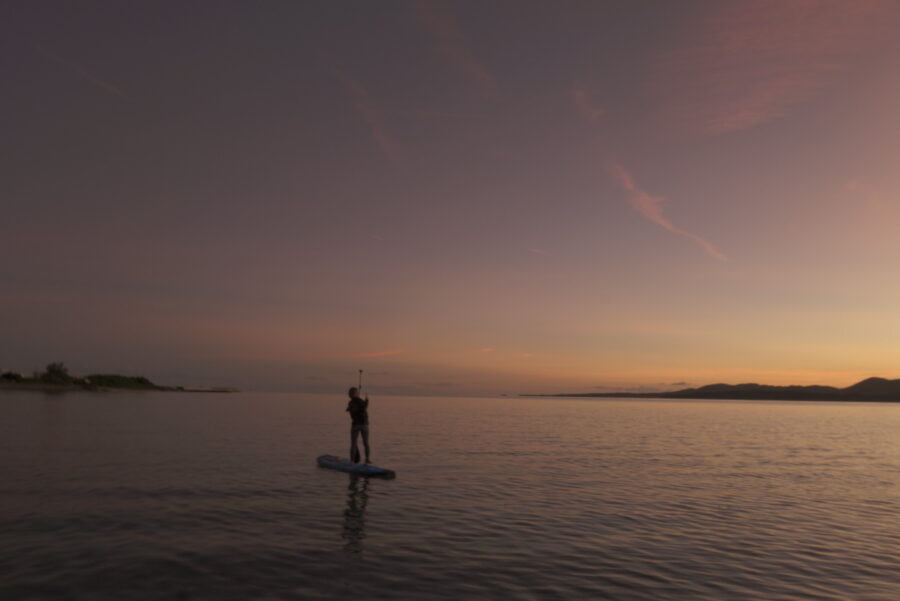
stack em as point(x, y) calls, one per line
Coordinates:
point(354, 450)
point(365, 435)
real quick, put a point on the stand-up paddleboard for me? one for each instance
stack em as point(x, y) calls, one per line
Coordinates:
point(345, 465)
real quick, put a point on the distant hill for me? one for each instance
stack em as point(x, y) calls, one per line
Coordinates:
point(874, 386)
point(871, 389)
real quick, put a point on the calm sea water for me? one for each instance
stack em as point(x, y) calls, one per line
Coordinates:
point(191, 496)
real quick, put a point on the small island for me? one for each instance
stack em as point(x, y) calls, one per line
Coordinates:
point(56, 378)
point(870, 389)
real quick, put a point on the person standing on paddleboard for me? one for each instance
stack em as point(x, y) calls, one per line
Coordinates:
point(359, 415)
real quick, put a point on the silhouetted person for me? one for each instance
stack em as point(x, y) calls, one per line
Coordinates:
point(359, 415)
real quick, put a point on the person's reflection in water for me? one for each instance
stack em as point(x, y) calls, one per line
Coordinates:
point(355, 513)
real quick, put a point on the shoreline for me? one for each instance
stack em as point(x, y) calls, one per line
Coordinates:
point(61, 388)
point(663, 397)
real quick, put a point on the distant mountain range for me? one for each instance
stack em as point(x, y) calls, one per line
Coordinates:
point(870, 389)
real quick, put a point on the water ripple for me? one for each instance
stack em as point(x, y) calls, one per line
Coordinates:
point(495, 499)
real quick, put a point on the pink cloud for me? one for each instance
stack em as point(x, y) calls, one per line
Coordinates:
point(372, 116)
point(651, 207)
point(747, 63)
point(583, 102)
point(540, 251)
point(452, 44)
point(381, 353)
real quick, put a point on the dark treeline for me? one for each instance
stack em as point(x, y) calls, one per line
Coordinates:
point(57, 374)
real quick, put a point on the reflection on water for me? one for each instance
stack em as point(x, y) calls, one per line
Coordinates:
point(148, 496)
point(355, 513)
point(53, 415)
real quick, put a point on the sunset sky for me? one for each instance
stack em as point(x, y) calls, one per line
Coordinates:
point(459, 198)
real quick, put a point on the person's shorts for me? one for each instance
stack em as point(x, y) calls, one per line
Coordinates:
point(359, 428)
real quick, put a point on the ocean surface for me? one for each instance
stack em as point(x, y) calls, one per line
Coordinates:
point(217, 497)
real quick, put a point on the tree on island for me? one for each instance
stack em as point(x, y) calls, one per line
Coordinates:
point(57, 373)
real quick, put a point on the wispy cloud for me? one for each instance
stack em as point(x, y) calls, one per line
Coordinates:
point(747, 63)
point(372, 116)
point(583, 101)
point(82, 72)
point(651, 207)
point(540, 251)
point(452, 44)
point(381, 353)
